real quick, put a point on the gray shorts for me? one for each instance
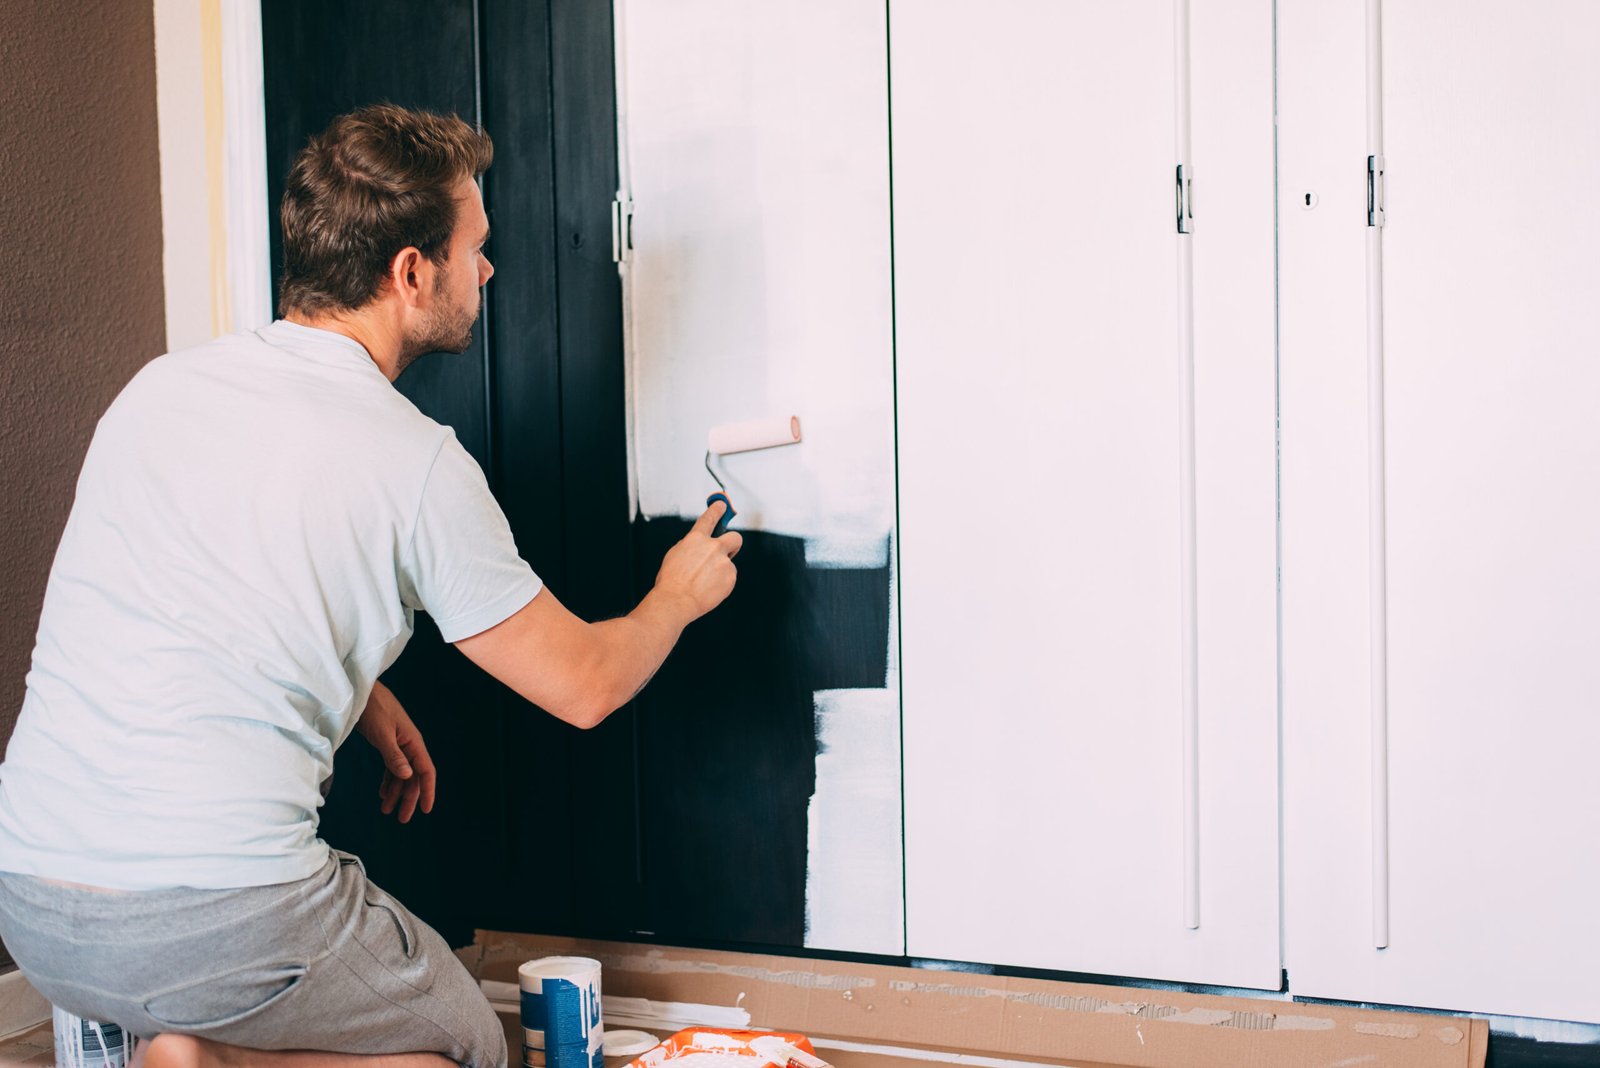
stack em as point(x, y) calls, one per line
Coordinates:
point(327, 963)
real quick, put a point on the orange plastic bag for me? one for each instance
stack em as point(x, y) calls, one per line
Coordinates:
point(715, 1047)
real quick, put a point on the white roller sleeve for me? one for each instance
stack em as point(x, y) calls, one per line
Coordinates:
point(755, 434)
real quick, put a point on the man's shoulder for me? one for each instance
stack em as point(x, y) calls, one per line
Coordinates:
point(240, 343)
point(246, 362)
point(239, 384)
point(220, 357)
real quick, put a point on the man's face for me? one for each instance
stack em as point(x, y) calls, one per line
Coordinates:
point(458, 280)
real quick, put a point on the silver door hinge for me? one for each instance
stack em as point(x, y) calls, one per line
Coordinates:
point(1185, 199)
point(1375, 190)
point(621, 230)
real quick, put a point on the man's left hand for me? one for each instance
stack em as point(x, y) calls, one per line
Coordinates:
point(408, 773)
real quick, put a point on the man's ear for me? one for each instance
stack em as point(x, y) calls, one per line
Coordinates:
point(411, 275)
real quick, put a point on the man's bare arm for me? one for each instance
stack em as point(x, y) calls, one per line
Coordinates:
point(582, 672)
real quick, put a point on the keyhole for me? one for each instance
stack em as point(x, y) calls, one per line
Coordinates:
point(1310, 201)
point(577, 240)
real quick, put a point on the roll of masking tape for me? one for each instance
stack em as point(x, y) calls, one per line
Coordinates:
point(561, 1025)
point(754, 434)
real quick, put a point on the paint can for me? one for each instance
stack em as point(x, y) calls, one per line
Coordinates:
point(84, 1043)
point(561, 1025)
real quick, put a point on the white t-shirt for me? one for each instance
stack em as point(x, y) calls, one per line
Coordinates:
point(255, 522)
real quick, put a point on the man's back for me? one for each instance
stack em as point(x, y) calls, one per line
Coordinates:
point(237, 571)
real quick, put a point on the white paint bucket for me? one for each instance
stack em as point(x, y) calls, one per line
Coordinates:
point(84, 1043)
point(561, 1026)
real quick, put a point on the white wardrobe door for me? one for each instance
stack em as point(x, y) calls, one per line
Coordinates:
point(1041, 456)
point(755, 149)
point(1491, 455)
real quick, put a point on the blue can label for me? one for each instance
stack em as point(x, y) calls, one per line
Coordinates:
point(562, 1021)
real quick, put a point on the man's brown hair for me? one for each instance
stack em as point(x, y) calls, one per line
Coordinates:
point(376, 181)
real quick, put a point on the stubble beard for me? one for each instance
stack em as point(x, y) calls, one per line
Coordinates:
point(447, 329)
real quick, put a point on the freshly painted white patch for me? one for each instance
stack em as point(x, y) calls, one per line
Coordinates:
point(759, 276)
point(853, 838)
point(841, 550)
point(855, 831)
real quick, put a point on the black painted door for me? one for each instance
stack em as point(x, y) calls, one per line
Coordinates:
point(534, 828)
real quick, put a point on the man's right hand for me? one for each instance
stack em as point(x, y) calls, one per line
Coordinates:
point(699, 569)
point(580, 672)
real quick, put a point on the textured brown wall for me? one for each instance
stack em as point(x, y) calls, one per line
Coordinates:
point(81, 303)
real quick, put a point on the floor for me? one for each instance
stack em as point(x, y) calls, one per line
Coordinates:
point(36, 1047)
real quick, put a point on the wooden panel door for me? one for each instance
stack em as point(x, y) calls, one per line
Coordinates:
point(1086, 459)
point(417, 55)
point(1441, 447)
point(538, 401)
point(756, 151)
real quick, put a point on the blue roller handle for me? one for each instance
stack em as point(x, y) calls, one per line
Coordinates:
point(722, 522)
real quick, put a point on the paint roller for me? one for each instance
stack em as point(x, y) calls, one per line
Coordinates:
point(747, 436)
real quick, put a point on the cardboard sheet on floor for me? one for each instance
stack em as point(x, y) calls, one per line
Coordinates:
point(875, 1016)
